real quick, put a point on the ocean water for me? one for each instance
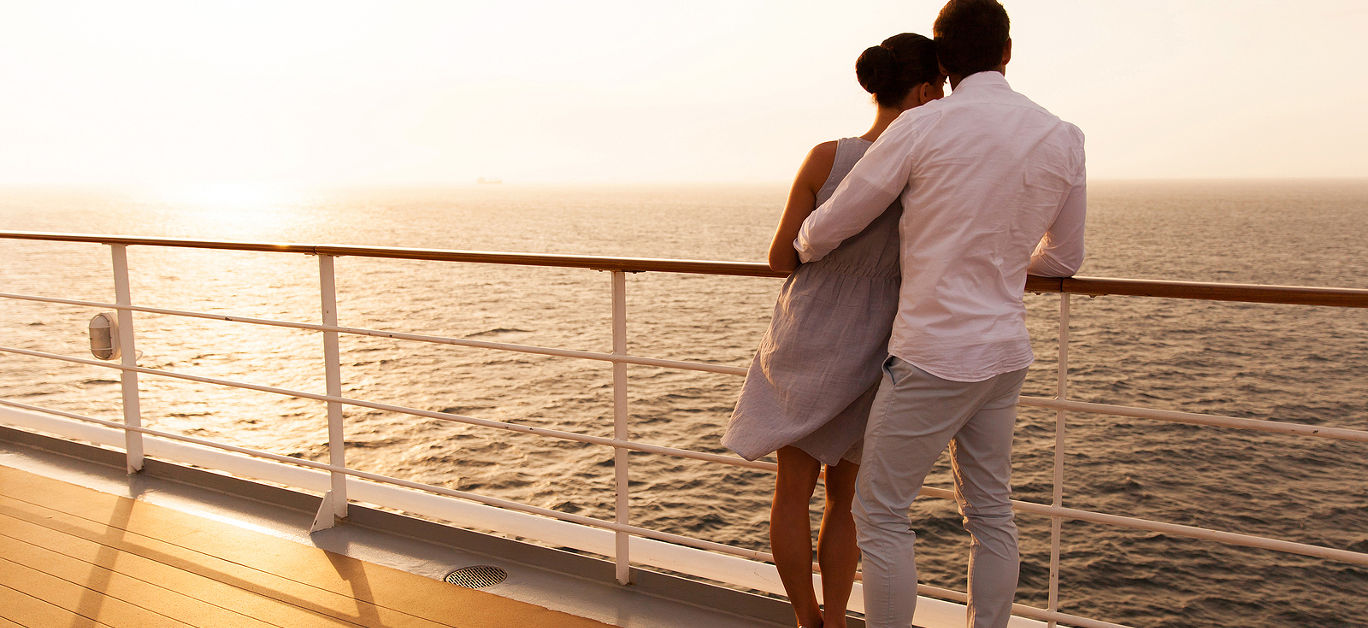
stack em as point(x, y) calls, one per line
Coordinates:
point(1301, 364)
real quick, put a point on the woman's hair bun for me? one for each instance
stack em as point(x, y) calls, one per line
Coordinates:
point(875, 69)
point(891, 69)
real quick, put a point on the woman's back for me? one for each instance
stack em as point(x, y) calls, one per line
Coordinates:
point(872, 252)
point(812, 379)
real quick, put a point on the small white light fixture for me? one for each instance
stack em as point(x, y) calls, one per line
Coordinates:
point(104, 336)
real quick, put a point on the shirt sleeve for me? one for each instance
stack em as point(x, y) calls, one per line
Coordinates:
point(1060, 251)
point(872, 185)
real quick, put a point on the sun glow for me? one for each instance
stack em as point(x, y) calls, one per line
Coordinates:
point(256, 198)
point(232, 210)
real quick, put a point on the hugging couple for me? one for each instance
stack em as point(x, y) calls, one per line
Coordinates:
point(901, 329)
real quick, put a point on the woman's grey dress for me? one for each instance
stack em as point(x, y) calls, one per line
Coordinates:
point(814, 376)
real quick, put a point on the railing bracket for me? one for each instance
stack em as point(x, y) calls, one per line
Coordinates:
point(325, 518)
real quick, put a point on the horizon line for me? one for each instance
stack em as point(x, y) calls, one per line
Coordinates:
point(572, 183)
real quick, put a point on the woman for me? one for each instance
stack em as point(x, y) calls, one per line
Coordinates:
point(809, 389)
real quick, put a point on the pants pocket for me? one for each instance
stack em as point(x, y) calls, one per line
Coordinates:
point(888, 369)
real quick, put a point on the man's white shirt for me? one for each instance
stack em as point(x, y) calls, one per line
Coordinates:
point(992, 186)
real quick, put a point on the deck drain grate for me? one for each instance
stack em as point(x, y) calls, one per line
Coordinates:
point(476, 576)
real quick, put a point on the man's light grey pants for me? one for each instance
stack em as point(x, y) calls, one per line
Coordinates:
point(915, 415)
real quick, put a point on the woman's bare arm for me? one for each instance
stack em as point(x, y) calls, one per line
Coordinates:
point(802, 200)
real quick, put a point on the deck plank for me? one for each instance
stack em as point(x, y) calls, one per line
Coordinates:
point(78, 598)
point(22, 609)
point(307, 577)
point(138, 541)
point(101, 568)
point(268, 593)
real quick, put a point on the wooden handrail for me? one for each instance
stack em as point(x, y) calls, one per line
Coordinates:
point(1246, 293)
point(1090, 286)
point(625, 264)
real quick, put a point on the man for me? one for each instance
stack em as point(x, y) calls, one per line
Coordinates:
point(992, 187)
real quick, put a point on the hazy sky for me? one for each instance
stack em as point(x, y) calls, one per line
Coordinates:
point(593, 91)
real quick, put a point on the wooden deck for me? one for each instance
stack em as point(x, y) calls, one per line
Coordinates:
point(72, 556)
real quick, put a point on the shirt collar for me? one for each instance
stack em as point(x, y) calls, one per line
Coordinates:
point(983, 80)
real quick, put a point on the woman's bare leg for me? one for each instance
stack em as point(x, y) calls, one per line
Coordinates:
point(837, 553)
point(791, 532)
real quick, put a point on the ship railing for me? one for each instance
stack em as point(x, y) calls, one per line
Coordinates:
point(617, 539)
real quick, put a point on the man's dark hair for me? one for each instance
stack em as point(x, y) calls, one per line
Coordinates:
point(971, 36)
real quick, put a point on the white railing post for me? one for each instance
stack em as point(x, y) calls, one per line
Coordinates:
point(620, 458)
point(335, 500)
point(1062, 388)
point(132, 408)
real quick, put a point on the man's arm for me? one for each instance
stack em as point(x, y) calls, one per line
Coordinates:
point(1060, 251)
point(872, 185)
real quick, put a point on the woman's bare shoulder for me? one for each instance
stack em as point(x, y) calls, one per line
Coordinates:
point(825, 152)
point(818, 164)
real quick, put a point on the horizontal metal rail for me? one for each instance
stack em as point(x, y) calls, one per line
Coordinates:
point(375, 477)
point(1276, 427)
point(1260, 425)
point(1028, 507)
point(1090, 286)
point(1190, 418)
point(1193, 532)
point(359, 331)
point(431, 414)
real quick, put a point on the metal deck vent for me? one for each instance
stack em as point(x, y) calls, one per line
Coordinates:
point(476, 576)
